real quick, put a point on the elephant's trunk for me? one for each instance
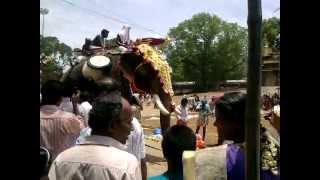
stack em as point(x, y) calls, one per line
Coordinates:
point(167, 104)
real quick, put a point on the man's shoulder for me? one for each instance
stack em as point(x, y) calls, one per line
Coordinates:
point(99, 160)
point(63, 116)
point(67, 115)
point(96, 154)
point(126, 155)
point(57, 113)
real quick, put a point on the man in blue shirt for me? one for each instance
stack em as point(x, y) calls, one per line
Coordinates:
point(203, 120)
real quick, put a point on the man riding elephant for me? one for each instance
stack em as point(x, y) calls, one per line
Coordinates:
point(136, 64)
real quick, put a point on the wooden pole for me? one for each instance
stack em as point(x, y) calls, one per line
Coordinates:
point(252, 131)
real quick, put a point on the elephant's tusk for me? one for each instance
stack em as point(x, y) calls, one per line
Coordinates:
point(162, 109)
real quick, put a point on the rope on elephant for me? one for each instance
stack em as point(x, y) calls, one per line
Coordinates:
point(153, 147)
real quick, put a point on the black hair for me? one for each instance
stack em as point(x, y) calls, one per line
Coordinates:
point(177, 139)
point(51, 92)
point(232, 106)
point(44, 161)
point(196, 97)
point(104, 33)
point(85, 96)
point(105, 110)
point(111, 85)
point(68, 89)
point(184, 101)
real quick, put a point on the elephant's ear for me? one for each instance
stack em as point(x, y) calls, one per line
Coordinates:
point(154, 67)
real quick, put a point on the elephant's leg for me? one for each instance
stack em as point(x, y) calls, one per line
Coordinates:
point(197, 129)
point(164, 122)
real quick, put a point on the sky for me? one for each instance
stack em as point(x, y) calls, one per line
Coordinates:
point(74, 20)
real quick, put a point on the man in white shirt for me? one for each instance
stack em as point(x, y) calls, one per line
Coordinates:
point(85, 106)
point(102, 155)
point(182, 112)
point(135, 144)
point(85, 100)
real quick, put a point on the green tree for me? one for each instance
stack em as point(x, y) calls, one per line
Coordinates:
point(270, 32)
point(207, 50)
point(54, 56)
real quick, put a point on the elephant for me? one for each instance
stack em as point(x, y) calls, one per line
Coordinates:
point(138, 66)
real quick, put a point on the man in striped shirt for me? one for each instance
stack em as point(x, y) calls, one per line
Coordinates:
point(58, 129)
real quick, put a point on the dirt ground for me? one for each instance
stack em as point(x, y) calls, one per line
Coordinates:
point(150, 120)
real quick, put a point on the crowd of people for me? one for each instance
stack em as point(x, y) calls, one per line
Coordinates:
point(203, 107)
point(268, 102)
point(82, 137)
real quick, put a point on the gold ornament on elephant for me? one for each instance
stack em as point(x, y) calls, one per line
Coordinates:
point(159, 64)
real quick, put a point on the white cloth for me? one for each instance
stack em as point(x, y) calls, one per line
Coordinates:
point(125, 34)
point(276, 110)
point(208, 163)
point(97, 158)
point(182, 113)
point(135, 142)
point(211, 163)
point(86, 105)
point(85, 109)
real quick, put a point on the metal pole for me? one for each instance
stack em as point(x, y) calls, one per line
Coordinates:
point(43, 11)
point(252, 131)
point(42, 25)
